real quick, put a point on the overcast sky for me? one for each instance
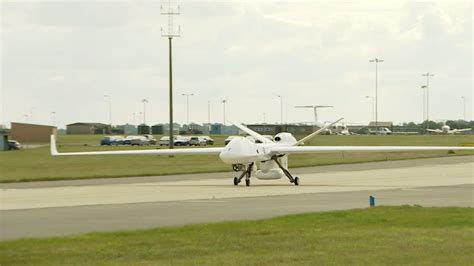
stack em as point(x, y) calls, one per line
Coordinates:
point(65, 56)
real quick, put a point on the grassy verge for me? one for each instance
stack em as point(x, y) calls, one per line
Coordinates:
point(377, 236)
point(37, 164)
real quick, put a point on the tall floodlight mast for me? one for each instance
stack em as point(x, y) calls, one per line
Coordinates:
point(170, 12)
point(427, 86)
point(376, 61)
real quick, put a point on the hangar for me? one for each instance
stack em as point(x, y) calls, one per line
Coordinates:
point(24, 132)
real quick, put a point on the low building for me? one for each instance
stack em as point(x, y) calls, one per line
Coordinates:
point(24, 132)
point(88, 128)
point(273, 129)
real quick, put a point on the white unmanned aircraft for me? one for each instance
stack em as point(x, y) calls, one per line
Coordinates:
point(445, 129)
point(270, 155)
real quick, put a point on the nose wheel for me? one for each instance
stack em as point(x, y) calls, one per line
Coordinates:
point(247, 173)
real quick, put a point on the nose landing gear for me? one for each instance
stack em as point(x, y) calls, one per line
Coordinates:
point(247, 173)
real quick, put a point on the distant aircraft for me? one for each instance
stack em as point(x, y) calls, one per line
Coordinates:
point(445, 129)
point(316, 122)
point(270, 155)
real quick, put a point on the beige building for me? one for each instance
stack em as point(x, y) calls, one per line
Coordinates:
point(87, 128)
point(23, 132)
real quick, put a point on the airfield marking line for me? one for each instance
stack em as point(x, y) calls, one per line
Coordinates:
point(211, 189)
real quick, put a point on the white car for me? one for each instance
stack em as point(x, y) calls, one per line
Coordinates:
point(165, 141)
point(140, 141)
point(197, 141)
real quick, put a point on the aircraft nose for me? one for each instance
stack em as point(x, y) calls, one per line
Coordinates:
point(239, 150)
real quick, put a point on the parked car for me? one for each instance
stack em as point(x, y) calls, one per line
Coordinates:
point(165, 141)
point(111, 140)
point(209, 140)
point(13, 145)
point(197, 141)
point(181, 141)
point(151, 139)
point(228, 139)
point(128, 140)
point(140, 141)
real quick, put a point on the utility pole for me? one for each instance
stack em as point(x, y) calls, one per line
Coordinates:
point(144, 101)
point(427, 86)
point(187, 106)
point(372, 106)
point(223, 102)
point(170, 13)
point(110, 108)
point(53, 116)
point(463, 108)
point(424, 103)
point(281, 109)
point(377, 61)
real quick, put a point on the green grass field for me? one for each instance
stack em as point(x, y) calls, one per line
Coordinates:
point(376, 236)
point(37, 164)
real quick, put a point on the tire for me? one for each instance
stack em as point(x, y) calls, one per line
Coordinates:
point(297, 181)
point(247, 182)
point(236, 181)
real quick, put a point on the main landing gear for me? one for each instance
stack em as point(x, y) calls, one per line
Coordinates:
point(247, 173)
point(295, 180)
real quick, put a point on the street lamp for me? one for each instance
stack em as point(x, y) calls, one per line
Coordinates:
point(372, 106)
point(144, 101)
point(53, 116)
point(281, 108)
point(110, 108)
point(223, 103)
point(376, 61)
point(427, 86)
point(463, 107)
point(187, 106)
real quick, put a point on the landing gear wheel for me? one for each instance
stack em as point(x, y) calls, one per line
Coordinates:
point(236, 181)
point(297, 181)
point(247, 182)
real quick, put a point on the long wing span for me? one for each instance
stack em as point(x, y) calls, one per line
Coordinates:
point(461, 130)
point(55, 152)
point(320, 149)
point(312, 135)
point(435, 130)
point(251, 132)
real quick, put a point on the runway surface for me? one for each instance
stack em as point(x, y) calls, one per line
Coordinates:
point(70, 207)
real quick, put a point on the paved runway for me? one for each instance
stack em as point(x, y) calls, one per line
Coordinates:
point(49, 209)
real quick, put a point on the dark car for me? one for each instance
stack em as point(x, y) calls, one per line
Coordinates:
point(14, 145)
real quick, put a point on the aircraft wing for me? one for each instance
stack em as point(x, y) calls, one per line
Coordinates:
point(461, 130)
point(321, 149)
point(435, 130)
point(55, 152)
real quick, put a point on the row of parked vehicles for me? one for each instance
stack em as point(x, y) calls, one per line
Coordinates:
point(150, 140)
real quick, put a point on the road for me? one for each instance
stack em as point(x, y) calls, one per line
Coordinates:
point(40, 209)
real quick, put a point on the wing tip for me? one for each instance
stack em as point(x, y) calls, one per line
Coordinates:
point(54, 150)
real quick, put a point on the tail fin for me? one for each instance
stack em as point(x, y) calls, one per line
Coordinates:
point(54, 151)
point(312, 135)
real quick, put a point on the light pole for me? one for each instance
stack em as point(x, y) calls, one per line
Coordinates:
point(223, 103)
point(53, 116)
point(377, 61)
point(424, 103)
point(463, 108)
point(110, 108)
point(144, 101)
point(372, 106)
point(187, 106)
point(427, 86)
point(209, 116)
point(170, 35)
point(281, 108)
